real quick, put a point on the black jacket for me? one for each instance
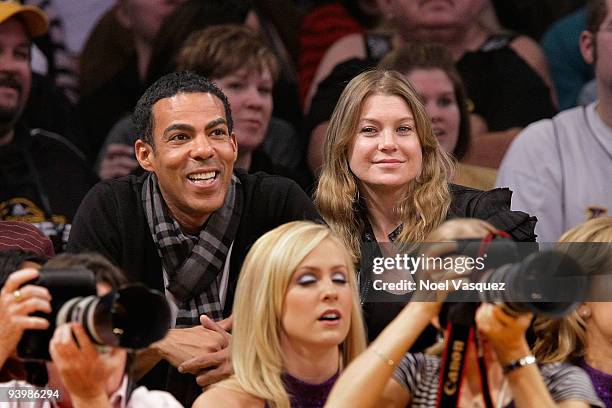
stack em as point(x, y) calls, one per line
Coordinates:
point(43, 179)
point(111, 220)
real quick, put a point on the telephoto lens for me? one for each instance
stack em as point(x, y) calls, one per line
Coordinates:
point(132, 317)
point(548, 283)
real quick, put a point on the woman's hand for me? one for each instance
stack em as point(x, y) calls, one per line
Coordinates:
point(441, 243)
point(504, 332)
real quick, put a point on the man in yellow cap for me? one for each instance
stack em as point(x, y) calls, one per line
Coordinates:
point(43, 177)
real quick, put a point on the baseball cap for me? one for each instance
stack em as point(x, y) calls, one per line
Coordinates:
point(35, 20)
point(24, 236)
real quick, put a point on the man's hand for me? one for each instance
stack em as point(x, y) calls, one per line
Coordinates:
point(118, 161)
point(83, 371)
point(215, 366)
point(17, 302)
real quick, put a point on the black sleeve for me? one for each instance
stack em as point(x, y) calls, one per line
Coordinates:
point(94, 227)
point(494, 207)
point(298, 206)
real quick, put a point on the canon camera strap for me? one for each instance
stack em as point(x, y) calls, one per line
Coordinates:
point(461, 335)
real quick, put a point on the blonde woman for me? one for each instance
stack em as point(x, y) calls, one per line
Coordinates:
point(584, 337)
point(385, 178)
point(297, 321)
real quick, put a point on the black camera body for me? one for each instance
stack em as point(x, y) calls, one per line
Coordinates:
point(63, 285)
point(131, 317)
point(548, 283)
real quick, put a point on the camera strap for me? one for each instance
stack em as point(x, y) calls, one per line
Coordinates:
point(453, 364)
point(462, 335)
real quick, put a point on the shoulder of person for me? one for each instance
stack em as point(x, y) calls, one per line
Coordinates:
point(492, 206)
point(220, 396)
point(45, 139)
point(540, 136)
point(566, 381)
point(124, 192)
point(260, 182)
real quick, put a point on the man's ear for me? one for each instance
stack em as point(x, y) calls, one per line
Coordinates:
point(144, 153)
point(587, 46)
point(234, 145)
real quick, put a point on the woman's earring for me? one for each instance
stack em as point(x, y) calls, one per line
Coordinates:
point(585, 313)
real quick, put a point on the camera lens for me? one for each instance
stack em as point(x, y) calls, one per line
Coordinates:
point(132, 317)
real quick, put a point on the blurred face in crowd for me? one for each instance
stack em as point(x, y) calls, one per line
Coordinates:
point(250, 95)
point(15, 69)
point(385, 154)
point(438, 95)
point(433, 14)
point(317, 306)
point(146, 16)
point(193, 155)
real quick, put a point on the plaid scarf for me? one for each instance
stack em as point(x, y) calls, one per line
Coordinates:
point(193, 265)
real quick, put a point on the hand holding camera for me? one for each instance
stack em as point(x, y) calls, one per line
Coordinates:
point(442, 243)
point(18, 301)
point(85, 372)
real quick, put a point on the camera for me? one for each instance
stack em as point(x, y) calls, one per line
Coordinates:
point(133, 316)
point(548, 283)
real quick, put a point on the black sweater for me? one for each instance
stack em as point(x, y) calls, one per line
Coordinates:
point(111, 220)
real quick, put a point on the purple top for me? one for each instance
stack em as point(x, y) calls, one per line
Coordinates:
point(307, 395)
point(601, 381)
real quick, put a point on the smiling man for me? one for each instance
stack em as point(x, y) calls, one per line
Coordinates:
point(186, 225)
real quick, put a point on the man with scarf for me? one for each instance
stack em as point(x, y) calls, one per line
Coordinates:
point(186, 225)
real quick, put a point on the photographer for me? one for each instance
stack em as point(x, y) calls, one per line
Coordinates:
point(84, 375)
point(395, 379)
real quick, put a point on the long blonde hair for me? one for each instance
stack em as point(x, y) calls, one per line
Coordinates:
point(257, 357)
point(564, 339)
point(337, 195)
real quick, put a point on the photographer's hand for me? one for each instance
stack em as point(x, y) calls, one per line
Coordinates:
point(439, 244)
point(212, 367)
point(17, 302)
point(84, 372)
point(506, 334)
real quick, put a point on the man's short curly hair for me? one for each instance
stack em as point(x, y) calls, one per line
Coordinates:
point(168, 86)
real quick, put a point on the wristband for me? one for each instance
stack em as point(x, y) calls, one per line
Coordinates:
point(521, 362)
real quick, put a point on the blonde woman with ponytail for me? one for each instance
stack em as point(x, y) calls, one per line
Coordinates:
point(385, 178)
point(297, 321)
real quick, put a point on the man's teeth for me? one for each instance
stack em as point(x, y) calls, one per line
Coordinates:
point(203, 176)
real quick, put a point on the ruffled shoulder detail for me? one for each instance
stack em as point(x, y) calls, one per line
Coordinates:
point(492, 206)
